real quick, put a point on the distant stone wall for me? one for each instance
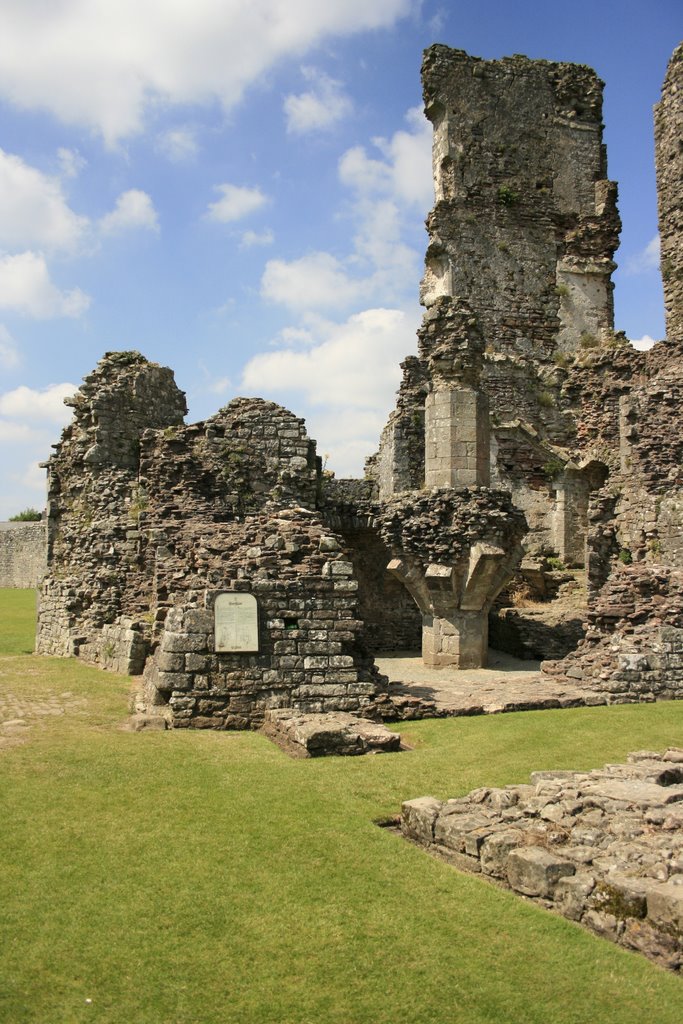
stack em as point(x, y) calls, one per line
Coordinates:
point(23, 554)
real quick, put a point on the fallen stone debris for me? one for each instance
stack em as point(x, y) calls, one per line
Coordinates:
point(603, 847)
point(335, 733)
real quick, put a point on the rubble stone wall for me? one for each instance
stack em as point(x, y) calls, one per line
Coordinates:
point(525, 222)
point(150, 519)
point(522, 235)
point(94, 505)
point(310, 657)
point(603, 847)
point(23, 554)
point(669, 162)
point(633, 645)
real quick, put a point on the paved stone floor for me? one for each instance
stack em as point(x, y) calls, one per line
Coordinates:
point(19, 714)
point(508, 684)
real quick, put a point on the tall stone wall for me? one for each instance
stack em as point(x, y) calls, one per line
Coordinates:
point(627, 407)
point(525, 222)
point(522, 236)
point(23, 554)
point(669, 161)
point(94, 504)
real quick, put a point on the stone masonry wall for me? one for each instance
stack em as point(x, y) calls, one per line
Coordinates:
point(391, 618)
point(633, 647)
point(94, 503)
point(23, 554)
point(627, 407)
point(603, 847)
point(669, 161)
point(310, 656)
point(150, 519)
point(525, 221)
point(522, 234)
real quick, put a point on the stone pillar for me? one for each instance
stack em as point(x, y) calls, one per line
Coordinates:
point(455, 602)
point(457, 439)
point(460, 640)
point(669, 162)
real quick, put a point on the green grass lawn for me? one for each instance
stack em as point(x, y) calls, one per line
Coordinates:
point(202, 878)
point(18, 612)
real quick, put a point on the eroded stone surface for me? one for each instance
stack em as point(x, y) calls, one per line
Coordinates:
point(335, 733)
point(602, 847)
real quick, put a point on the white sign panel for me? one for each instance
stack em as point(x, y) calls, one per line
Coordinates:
point(236, 622)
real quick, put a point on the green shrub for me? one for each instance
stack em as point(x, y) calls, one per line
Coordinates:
point(507, 196)
point(29, 515)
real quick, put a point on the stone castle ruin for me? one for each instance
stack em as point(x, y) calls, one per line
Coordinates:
point(219, 562)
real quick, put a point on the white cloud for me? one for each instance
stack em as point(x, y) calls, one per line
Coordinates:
point(33, 209)
point(9, 354)
point(644, 343)
point(71, 162)
point(134, 209)
point(30, 421)
point(17, 433)
point(220, 386)
point(26, 288)
point(315, 281)
point(46, 405)
point(35, 477)
point(320, 108)
point(237, 201)
point(386, 193)
point(405, 170)
point(353, 363)
point(178, 144)
point(646, 259)
point(252, 238)
point(346, 372)
point(103, 64)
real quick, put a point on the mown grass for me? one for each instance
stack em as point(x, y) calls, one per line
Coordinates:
point(18, 611)
point(179, 878)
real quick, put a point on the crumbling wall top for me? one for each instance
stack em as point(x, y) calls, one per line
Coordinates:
point(124, 395)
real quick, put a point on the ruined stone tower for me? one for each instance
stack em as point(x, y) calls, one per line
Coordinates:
point(517, 284)
point(669, 155)
point(525, 223)
point(521, 240)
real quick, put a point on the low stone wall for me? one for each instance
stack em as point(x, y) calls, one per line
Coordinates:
point(23, 554)
point(603, 847)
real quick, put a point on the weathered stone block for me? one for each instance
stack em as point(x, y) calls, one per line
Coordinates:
point(665, 906)
point(535, 871)
point(169, 681)
point(418, 818)
point(451, 829)
point(572, 893)
point(184, 642)
point(495, 851)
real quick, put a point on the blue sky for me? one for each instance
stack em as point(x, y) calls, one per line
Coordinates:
point(238, 190)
